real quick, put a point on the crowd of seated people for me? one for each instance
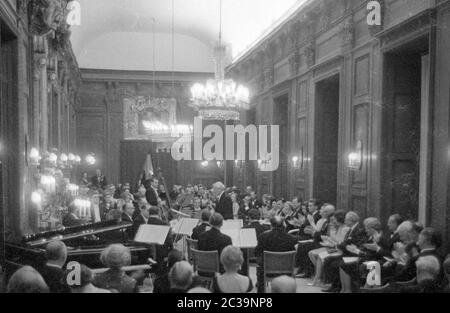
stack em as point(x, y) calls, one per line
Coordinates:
point(333, 247)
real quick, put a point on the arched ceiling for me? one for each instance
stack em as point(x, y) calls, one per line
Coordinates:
point(118, 34)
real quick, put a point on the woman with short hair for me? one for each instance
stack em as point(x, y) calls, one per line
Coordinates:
point(115, 257)
point(231, 281)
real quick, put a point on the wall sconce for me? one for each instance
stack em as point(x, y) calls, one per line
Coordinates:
point(355, 157)
point(204, 164)
point(220, 164)
point(90, 159)
point(36, 198)
point(34, 157)
point(239, 163)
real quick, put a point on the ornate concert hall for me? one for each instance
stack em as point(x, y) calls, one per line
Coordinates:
point(225, 146)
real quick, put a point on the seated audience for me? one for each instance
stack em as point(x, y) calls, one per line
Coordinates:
point(86, 286)
point(202, 227)
point(115, 257)
point(180, 277)
point(336, 235)
point(354, 238)
point(428, 276)
point(213, 239)
point(405, 254)
point(141, 218)
point(375, 249)
point(315, 230)
point(283, 284)
point(52, 271)
point(27, 280)
point(231, 281)
point(274, 240)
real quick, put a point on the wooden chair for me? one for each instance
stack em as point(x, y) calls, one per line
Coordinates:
point(278, 264)
point(191, 244)
point(383, 289)
point(206, 265)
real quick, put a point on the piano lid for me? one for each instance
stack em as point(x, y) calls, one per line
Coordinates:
point(66, 233)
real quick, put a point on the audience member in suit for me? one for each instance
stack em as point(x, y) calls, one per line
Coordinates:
point(429, 240)
point(224, 204)
point(254, 202)
point(253, 222)
point(405, 254)
point(99, 180)
point(427, 276)
point(376, 247)
point(71, 218)
point(201, 228)
point(213, 239)
point(274, 240)
point(127, 212)
point(115, 257)
point(393, 222)
point(52, 271)
point(86, 279)
point(312, 210)
point(181, 277)
point(356, 236)
point(151, 193)
point(315, 231)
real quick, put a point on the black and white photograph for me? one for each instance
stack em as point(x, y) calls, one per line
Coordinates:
point(241, 147)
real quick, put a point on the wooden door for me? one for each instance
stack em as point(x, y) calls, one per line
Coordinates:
point(326, 139)
point(401, 134)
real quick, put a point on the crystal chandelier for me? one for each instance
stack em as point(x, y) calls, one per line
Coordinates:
point(220, 98)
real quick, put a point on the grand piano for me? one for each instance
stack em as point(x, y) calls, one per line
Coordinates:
point(84, 242)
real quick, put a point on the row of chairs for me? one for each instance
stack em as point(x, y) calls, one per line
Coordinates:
point(206, 263)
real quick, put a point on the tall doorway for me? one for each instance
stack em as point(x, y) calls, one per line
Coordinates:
point(281, 118)
point(326, 132)
point(405, 82)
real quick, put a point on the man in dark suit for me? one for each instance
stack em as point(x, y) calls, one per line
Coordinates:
point(99, 180)
point(213, 239)
point(127, 217)
point(52, 271)
point(274, 240)
point(355, 237)
point(152, 194)
point(200, 229)
point(253, 222)
point(224, 204)
point(254, 202)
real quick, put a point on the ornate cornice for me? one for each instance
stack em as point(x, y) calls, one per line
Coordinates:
point(45, 16)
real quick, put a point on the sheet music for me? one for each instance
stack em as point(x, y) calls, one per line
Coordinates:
point(242, 238)
point(185, 226)
point(233, 224)
point(152, 234)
